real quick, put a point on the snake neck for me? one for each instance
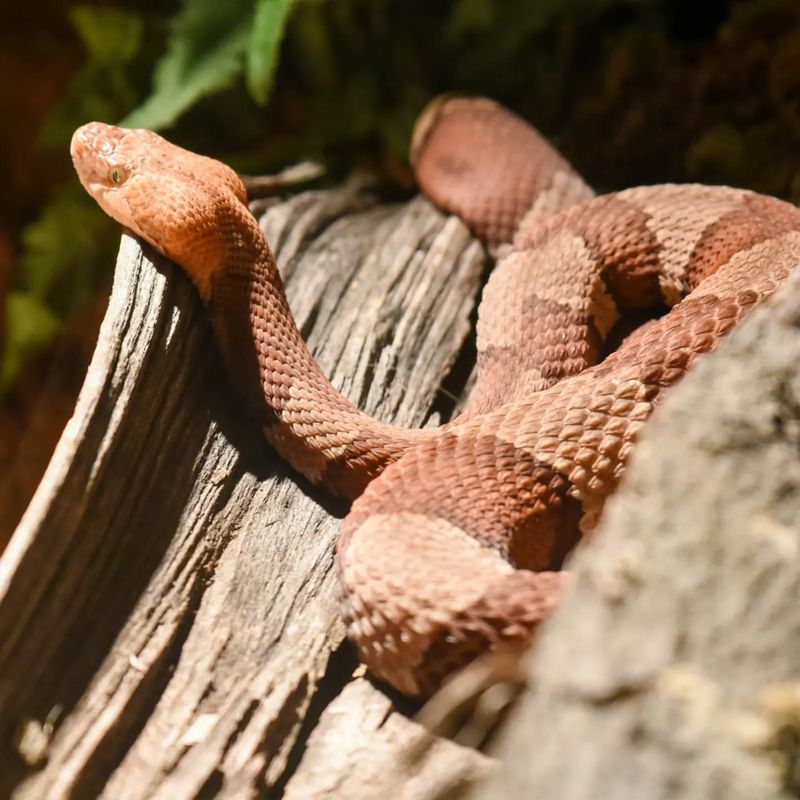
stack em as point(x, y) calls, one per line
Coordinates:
point(309, 422)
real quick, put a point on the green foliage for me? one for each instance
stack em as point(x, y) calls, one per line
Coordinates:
point(59, 261)
point(204, 54)
point(63, 253)
point(209, 46)
point(30, 325)
point(267, 31)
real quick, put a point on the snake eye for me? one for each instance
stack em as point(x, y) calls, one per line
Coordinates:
point(116, 175)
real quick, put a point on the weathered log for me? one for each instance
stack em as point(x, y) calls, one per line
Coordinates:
point(168, 627)
point(673, 668)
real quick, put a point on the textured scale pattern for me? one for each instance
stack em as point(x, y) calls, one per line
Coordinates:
point(456, 540)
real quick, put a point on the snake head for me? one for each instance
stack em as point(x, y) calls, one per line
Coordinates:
point(173, 199)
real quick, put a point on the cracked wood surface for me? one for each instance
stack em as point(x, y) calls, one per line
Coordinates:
point(168, 598)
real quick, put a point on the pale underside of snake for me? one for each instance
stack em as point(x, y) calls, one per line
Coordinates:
point(455, 543)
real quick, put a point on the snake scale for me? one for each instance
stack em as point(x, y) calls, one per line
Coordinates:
point(455, 541)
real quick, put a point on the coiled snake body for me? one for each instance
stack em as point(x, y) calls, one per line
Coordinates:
point(455, 543)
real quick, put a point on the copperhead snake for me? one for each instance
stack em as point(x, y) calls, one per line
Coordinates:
point(455, 541)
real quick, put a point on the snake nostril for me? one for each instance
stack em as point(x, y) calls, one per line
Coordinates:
point(77, 146)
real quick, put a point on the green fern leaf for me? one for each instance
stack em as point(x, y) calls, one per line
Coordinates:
point(204, 55)
point(263, 48)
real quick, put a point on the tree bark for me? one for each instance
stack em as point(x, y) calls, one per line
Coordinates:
point(168, 627)
point(672, 670)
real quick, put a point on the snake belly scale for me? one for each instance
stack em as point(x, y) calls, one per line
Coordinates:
point(456, 538)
